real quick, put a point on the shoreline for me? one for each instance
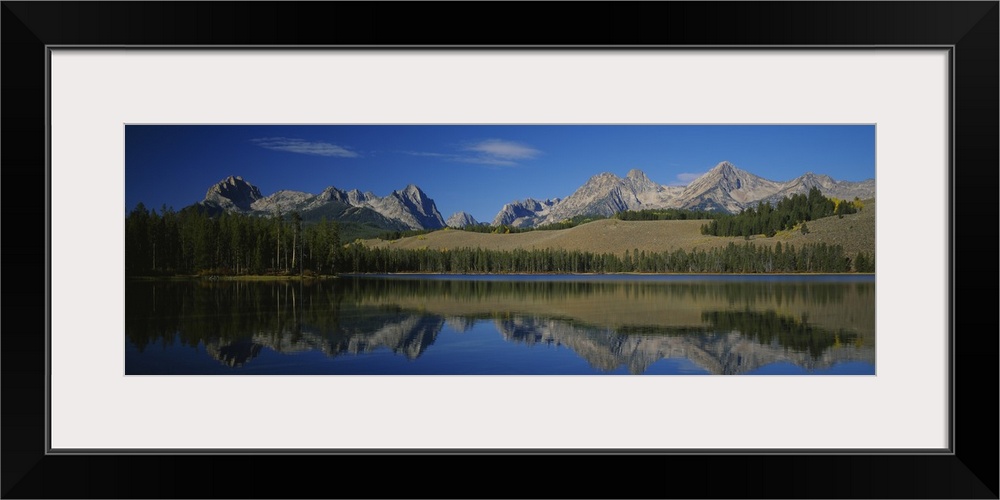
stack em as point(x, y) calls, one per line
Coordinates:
point(252, 277)
point(417, 273)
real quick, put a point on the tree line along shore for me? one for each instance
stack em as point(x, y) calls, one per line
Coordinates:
point(801, 234)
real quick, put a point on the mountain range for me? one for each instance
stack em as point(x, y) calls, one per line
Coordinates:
point(723, 188)
point(408, 208)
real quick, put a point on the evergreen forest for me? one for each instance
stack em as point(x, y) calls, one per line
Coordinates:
point(190, 242)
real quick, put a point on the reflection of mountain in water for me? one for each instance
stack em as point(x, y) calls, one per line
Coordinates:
point(405, 334)
point(725, 328)
point(235, 354)
point(714, 347)
point(718, 351)
point(460, 324)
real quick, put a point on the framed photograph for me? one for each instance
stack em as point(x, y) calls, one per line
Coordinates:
point(717, 271)
point(377, 135)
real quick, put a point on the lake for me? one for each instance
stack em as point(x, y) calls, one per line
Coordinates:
point(504, 325)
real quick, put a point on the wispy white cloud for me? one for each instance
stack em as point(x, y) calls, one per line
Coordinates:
point(493, 152)
point(486, 160)
point(498, 149)
point(688, 177)
point(305, 147)
point(685, 178)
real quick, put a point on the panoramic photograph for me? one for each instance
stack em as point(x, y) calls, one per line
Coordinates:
point(500, 250)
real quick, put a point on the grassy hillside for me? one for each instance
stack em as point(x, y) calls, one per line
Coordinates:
point(854, 232)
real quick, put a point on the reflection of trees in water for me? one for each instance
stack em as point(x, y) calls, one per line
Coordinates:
point(235, 320)
point(618, 304)
point(751, 292)
point(768, 327)
point(207, 312)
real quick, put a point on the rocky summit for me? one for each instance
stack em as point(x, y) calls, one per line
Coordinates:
point(233, 193)
point(525, 213)
point(726, 188)
point(606, 194)
point(460, 220)
point(411, 206)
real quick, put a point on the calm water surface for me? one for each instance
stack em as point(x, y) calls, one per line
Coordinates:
point(504, 325)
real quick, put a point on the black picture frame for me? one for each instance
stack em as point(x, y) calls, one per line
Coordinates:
point(970, 28)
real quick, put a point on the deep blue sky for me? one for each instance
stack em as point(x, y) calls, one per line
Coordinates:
point(475, 168)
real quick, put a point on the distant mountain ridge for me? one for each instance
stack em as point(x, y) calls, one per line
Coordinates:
point(524, 213)
point(409, 208)
point(723, 188)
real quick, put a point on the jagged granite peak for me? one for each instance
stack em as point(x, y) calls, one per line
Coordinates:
point(327, 195)
point(638, 176)
point(726, 188)
point(409, 207)
point(356, 198)
point(606, 194)
point(808, 181)
point(422, 207)
point(638, 180)
point(844, 190)
point(724, 166)
point(412, 195)
point(524, 213)
point(460, 220)
point(233, 193)
point(283, 201)
point(726, 176)
point(413, 191)
point(817, 178)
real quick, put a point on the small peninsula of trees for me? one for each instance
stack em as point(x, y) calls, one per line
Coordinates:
point(788, 213)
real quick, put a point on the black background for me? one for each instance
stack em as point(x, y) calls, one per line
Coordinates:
point(971, 472)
